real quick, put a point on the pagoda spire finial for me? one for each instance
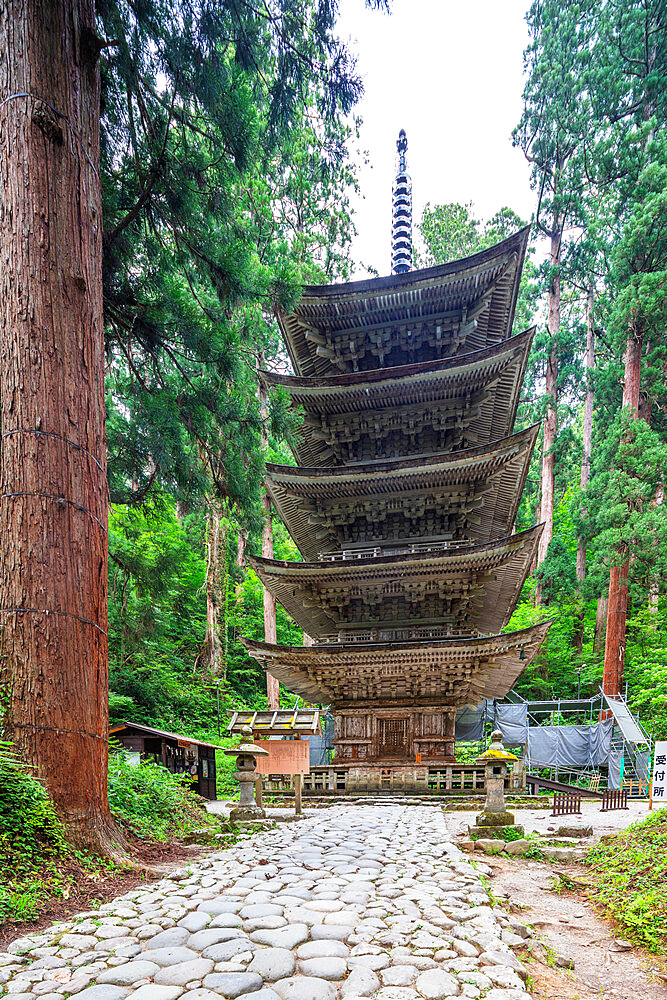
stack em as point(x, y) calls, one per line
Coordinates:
point(401, 212)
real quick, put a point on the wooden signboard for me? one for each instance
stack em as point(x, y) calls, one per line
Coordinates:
point(658, 790)
point(285, 757)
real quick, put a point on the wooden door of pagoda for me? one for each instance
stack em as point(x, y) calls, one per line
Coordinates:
point(394, 737)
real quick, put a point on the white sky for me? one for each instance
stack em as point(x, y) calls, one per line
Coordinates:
point(450, 74)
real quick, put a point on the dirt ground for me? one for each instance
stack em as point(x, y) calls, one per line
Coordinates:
point(569, 926)
point(567, 922)
point(149, 863)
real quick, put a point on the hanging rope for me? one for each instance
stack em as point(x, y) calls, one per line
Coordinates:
point(59, 114)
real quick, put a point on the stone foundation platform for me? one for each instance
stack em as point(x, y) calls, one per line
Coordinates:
point(388, 777)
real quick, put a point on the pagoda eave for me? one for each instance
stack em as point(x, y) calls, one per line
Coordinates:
point(452, 308)
point(463, 586)
point(474, 493)
point(456, 369)
point(447, 406)
point(450, 672)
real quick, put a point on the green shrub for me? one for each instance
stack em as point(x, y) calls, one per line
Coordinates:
point(37, 864)
point(31, 841)
point(630, 875)
point(29, 826)
point(152, 801)
point(227, 785)
point(467, 753)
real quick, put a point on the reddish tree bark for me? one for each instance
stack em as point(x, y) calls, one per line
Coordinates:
point(614, 650)
point(270, 629)
point(600, 620)
point(588, 422)
point(551, 419)
point(654, 585)
point(53, 488)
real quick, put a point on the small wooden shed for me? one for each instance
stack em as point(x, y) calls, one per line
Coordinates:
point(179, 754)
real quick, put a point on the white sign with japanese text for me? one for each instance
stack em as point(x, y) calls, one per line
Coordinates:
point(659, 793)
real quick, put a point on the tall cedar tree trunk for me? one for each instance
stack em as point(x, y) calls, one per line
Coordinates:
point(614, 651)
point(213, 651)
point(240, 548)
point(551, 419)
point(588, 423)
point(654, 586)
point(270, 630)
point(646, 412)
point(53, 486)
point(586, 451)
point(600, 621)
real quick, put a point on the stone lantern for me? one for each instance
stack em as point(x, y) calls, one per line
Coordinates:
point(246, 761)
point(495, 760)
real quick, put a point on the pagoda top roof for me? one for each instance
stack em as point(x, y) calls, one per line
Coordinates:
point(490, 378)
point(432, 312)
point(451, 672)
point(461, 588)
point(477, 490)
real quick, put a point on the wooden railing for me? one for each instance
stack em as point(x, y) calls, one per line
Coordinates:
point(613, 799)
point(567, 804)
point(388, 549)
point(454, 779)
point(397, 634)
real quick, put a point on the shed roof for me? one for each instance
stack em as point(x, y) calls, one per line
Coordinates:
point(278, 722)
point(149, 731)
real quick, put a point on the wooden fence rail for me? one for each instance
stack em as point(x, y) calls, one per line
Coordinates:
point(566, 803)
point(613, 799)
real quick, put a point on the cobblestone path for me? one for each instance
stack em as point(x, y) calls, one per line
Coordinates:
point(358, 901)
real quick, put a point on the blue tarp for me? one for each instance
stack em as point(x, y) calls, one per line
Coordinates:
point(469, 725)
point(570, 746)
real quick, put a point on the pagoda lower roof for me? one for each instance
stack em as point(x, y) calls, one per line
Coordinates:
point(422, 409)
point(467, 588)
point(450, 672)
point(432, 313)
point(472, 495)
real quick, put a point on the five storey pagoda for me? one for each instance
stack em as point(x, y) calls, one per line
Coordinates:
point(403, 501)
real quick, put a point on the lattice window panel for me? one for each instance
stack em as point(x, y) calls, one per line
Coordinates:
point(393, 737)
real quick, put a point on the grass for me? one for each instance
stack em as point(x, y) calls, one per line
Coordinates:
point(27, 887)
point(629, 872)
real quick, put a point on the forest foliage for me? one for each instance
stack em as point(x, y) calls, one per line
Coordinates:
point(228, 146)
point(228, 171)
point(593, 131)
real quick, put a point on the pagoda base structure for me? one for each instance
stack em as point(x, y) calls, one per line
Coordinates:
point(384, 737)
point(388, 777)
point(395, 703)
